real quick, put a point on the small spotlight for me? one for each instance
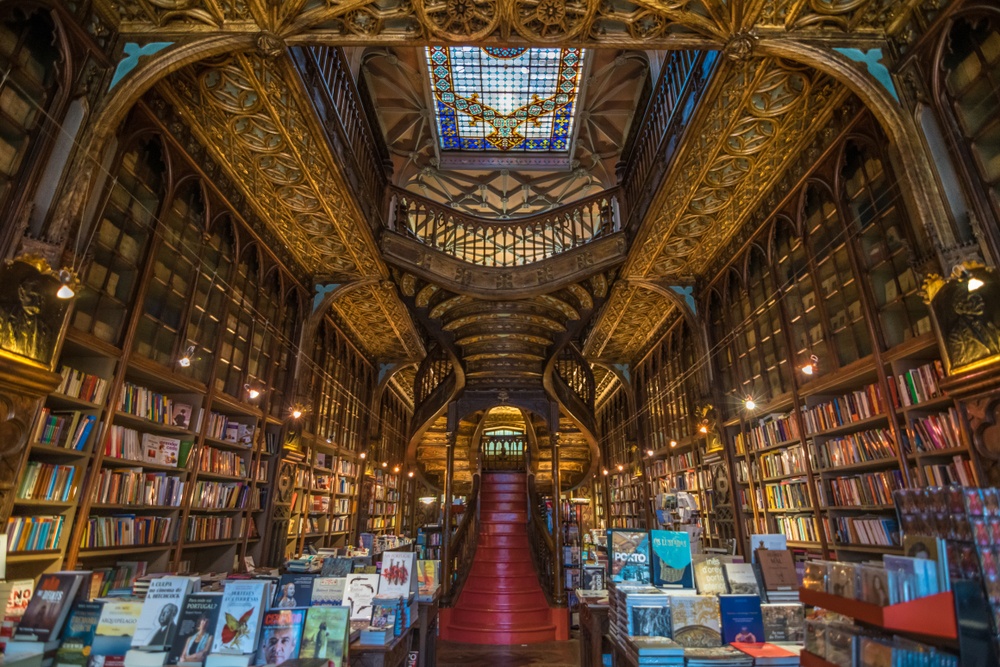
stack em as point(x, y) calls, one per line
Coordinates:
point(385, 464)
point(252, 392)
point(395, 469)
point(604, 472)
point(673, 443)
point(974, 284)
point(362, 455)
point(808, 369)
point(296, 412)
point(703, 428)
point(185, 361)
point(409, 474)
point(620, 467)
point(329, 441)
point(750, 404)
point(650, 452)
point(66, 290)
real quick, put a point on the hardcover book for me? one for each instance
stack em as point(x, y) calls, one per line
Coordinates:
point(397, 576)
point(773, 541)
point(742, 619)
point(671, 559)
point(784, 622)
point(651, 621)
point(327, 635)
point(337, 567)
point(160, 611)
point(741, 579)
point(328, 591)
point(46, 612)
point(777, 570)
point(593, 577)
point(695, 620)
point(281, 635)
point(358, 594)
point(628, 556)
point(708, 575)
point(78, 634)
point(181, 415)
point(196, 628)
point(240, 616)
point(294, 590)
point(116, 626)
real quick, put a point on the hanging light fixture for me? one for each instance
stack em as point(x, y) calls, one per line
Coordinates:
point(66, 284)
point(395, 469)
point(810, 366)
point(410, 474)
point(362, 456)
point(385, 464)
point(620, 467)
point(604, 472)
point(650, 452)
point(750, 404)
point(188, 357)
point(253, 393)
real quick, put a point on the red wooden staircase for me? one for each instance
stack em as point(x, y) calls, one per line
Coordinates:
point(501, 602)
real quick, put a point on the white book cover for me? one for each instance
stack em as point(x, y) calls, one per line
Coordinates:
point(329, 591)
point(358, 594)
point(773, 541)
point(157, 623)
point(240, 616)
point(398, 575)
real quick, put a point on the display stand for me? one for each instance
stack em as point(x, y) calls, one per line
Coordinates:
point(931, 616)
point(594, 625)
point(392, 654)
point(427, 631)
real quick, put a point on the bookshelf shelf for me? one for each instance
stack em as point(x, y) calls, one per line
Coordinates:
point(64, 402)
point(43, 503)
point(780, 478)
point(863, 465)
point(860, 508)
point(868, 548)
point(112, 461)
point(194, 544)
point(220, 476)
point(932, 616)
point(33, 556)
point(135, 508)
point(149, 426)
point(52, 451)
point(227, 444)
point(98, 552)
point(850, 427)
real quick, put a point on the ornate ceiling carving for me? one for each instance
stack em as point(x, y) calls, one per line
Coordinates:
point(262, 131)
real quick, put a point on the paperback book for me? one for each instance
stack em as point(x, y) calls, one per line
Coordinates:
point(240, 616)
point(628, 556)
point(327, 635)
point(708, 575)
point(116, 627)
point(196, 628)
point(160, 611)
point(397, 576)
point(78, 634)
point(741, 579)
point(328, 591)
point(281, 635)
point(46, 612)
point(742, 619)
point(294, 590)
point(671, 559)
point(358, 594)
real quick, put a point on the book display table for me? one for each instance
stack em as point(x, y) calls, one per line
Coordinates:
point(593, 627)
point(427, 632)
point(392, 654)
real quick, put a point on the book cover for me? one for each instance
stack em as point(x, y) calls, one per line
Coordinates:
point(328, 591)
point(741, 578)
point(742, 619)
point(337, 567)
point(777, 570)
point(708, 575)
point(651, 621)
point(910, 578)
point(280, 636)
point(240, 616)
point(629, 556)
point(593, 577)
point(358, 594)
point(160, 611)
point(772, 541)
point(874, 585)
point(428, 575)
point(383, 616)
point(396, 577)
point(930, 548)
point(695, 620)
point(671, 559)
point(784, 622)
point(196, 628)
point(46, 612)
point(19, 593)
point(116, 626)
point(294, 590)
point(180, 415)
point(78, 634)
point(327, 635)
point(843, 580)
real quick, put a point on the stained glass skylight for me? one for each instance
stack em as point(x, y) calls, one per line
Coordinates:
point(504, 99)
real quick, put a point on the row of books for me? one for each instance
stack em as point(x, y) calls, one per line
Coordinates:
point(770, 431)
point(873, 488)
point(220, 495)
point(84, 386)
point(855, 406)
point(126, 530)
point(223, 427)
point(125, 486)
point(834, 639)
point(68, 430)
point(319, 504)
point(34, 533)
point(208, 528)
point(154, 406)
point(863, 447)
point(919, 385)
point(935, 432)
point(787, 495)
point(869, 531)
point(797, 528)
point(958, 472)
point(127, 443)
point(221, 462)
point(676, 462)
point(789, 461)
point(47, 481)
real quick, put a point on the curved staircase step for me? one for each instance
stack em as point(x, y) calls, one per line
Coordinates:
point(474, 635)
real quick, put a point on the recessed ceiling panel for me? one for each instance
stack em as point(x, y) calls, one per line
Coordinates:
point(504, 99)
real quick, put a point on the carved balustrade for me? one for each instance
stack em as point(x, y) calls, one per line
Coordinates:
point(502, 452)
point(576, 375)
point(463, 547)
point(543, 547)
point(504, 243)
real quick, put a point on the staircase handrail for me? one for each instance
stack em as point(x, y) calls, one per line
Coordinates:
point(543, 547)
point(463, 546)
point(504, 243)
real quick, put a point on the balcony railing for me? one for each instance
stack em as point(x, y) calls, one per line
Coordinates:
point(507, 243)
point(502, 452)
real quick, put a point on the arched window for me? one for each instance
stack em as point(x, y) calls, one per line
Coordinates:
point(30, 59)
point(234, 350)
point(175, 265)
point(798, 295)
point(120, 241)
point(970, 85)
point(265, 327)
point(210, 297)
point(721, 345)
point(766, 319)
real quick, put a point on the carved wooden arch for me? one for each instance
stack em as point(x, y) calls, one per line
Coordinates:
point(182, 182)
point(383, 384)
point(916, 175)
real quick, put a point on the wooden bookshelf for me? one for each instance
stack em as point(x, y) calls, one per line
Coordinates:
point(383, 502)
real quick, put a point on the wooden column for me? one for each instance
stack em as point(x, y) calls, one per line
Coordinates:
point(449, 469)
point(557, 519)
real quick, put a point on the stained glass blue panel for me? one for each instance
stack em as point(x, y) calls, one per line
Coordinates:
point(504, 99)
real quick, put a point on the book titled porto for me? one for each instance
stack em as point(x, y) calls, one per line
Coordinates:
point(742, 619)
point(240, 617)
point(671, 559)
point(294, 590)
point(629, 556)
point(397, 575)
point(78, 634)
point(46, 612)
point(280, 636)
point(327, 635)
point(160, 611)
point(196, 628)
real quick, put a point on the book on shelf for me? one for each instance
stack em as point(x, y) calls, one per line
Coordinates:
point(708, 575)
point(359, 591)
point(778, 574)
point(294, 590)
point(160, 449)
point(78, 634)
point(397, 574)
point(197, 625)
point(695, 621)
point(281, 635)
point(116, 627)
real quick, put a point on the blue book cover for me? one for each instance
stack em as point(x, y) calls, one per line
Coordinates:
point(628, 556)
point(671, 559)
point(742, 620)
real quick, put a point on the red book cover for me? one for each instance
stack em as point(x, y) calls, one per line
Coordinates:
point(763, 650)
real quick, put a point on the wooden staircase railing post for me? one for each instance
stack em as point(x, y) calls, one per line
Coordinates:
point(449, 469)
point(557, 521)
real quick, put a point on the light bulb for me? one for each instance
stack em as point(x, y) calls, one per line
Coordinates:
point(66, 290)
point(296, 413)
point(673, 443)
point(750, 404)
point(808, 369)
point(385, 464)
point(703, 429)
point(185, 361)
point(252, 392)
point(409, 474)
point(395, 469)
point(605, 471)
point(974, 284)
point(649, 452)
point(362, 455)
point(620, 467)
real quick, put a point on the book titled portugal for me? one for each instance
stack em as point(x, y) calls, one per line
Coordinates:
point(629, 556)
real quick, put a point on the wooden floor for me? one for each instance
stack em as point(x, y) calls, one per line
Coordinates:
point(550, 654)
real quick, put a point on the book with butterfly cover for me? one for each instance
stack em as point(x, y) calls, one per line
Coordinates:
point(240, 616)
